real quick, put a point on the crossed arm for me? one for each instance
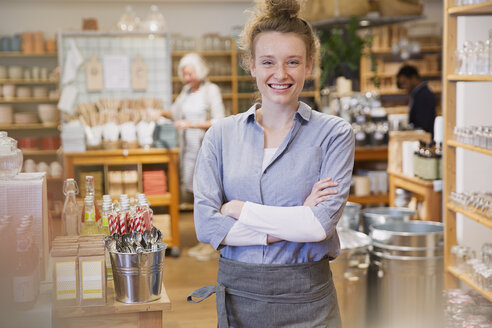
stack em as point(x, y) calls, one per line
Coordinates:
point(261, 224)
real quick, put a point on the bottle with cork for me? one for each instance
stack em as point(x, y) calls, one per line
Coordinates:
point(90, 191)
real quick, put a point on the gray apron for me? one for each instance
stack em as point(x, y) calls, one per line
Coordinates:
point(273, 295)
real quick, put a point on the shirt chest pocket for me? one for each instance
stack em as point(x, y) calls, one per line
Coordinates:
point(295, 173)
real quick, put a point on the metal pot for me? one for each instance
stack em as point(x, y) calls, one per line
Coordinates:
point(351, 217)
point(350, 277)
point(406, 273)
point(382, 215)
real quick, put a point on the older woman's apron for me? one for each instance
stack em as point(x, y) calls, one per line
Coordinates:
point(273, 295)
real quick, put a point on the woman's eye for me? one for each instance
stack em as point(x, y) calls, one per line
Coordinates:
point(267, 62)
point(293, 62)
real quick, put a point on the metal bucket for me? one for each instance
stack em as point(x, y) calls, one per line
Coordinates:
point(382, 215)
point(138, 277)
point(350, 277)
point(407, 272)
point(351, 216)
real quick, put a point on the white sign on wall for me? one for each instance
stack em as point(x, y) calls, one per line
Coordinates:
point(116, 72)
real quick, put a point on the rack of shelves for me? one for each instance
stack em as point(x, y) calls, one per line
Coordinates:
point(235, 96)
point(137, 157)
point(21, 54)
point(451, 27)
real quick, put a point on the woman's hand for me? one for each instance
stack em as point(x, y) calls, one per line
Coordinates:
point(182, 124)
point(320, 192)
point(232, 208)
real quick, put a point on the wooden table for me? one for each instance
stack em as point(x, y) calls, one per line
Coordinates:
point(113, 314)
point(424, 188)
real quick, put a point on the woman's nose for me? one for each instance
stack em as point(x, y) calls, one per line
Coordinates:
point(281, 72)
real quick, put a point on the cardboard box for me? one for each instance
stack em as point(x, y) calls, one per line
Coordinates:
point(26, 194)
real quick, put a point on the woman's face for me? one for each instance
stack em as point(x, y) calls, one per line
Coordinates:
point(189, 76)
point(280, 66)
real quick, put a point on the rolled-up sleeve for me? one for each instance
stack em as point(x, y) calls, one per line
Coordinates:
point(338, 162)
point(211, 226)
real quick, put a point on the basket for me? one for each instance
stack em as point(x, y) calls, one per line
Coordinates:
point(138, 277)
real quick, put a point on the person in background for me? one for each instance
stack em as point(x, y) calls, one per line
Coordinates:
point(263, 189)
point(197, 107)
point(422, 101)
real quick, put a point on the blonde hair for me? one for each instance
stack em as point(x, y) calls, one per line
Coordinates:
point(276, 16)
point(197, 62)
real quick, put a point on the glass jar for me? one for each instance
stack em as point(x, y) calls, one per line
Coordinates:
point(10, 157)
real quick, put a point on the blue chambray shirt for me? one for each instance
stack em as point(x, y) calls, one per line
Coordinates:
point(229, 167)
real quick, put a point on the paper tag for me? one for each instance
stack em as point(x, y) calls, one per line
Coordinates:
point(90, 216)
point(92, 280)
point(66, 280)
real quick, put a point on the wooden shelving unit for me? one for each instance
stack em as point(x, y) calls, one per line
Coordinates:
point(137, 157)
point(451, 28)
point(371, 199)
point(39, 152)
point(236, 96)
point(424, 188)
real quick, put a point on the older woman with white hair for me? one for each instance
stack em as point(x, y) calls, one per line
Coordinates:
point(194, 111)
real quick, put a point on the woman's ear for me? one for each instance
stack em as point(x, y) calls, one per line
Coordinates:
point(252, 67)
point(309, 66)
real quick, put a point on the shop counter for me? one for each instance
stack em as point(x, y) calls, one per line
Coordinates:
point(113, 314)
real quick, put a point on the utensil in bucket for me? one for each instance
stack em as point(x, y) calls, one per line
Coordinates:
point(138, 277)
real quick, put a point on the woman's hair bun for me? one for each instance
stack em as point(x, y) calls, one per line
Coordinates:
point(286, 8)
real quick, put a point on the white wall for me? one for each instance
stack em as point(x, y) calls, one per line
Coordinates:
point(473, 108)
point(190, 18)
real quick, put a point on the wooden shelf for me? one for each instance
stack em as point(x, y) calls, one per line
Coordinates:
point(216, 78)
point(207, 53)
point(484, 8)
point(469, 78)
point(21, 54)
point(27, 100)
point(34, 126)
point(54, 179)
point(39, 152)
point(453, 143)
point(159, 200)
point(423, 49)
point(392, 75)
point(371, 199)
point(414, 180)
point(471, 215)
point(470, 282)
point(26, 81)
point(371, 153)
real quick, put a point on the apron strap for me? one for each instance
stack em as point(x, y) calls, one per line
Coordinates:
point(204, 293)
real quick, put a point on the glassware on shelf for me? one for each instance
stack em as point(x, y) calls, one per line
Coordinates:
point(128, 22)
point(71, 210)
point(154, 22)
point(10, 157)
point(488, 46)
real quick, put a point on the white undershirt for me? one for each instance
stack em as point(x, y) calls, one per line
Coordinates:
point(256, 221)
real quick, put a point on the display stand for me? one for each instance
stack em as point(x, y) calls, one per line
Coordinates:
point(114, 313)
point(424, 188)
point(452, 28)
point(138, 157)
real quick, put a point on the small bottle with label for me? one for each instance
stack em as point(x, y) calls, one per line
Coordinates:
point(89, 226)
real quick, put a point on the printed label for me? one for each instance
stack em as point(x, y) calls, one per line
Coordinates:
point(92, 280)
point(66, 281)
point(90, 216)
point(105, 221)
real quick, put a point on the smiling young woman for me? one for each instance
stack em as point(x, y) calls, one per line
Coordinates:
point(264, 183)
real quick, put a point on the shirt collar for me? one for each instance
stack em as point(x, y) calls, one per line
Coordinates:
point(418, 87)
point(303, 112)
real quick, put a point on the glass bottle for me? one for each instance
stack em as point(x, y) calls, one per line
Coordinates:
point(24, 280)
point(90, 225)
point(107, 208)
point(488, 45)
point(71, 210)
point(90, 191)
